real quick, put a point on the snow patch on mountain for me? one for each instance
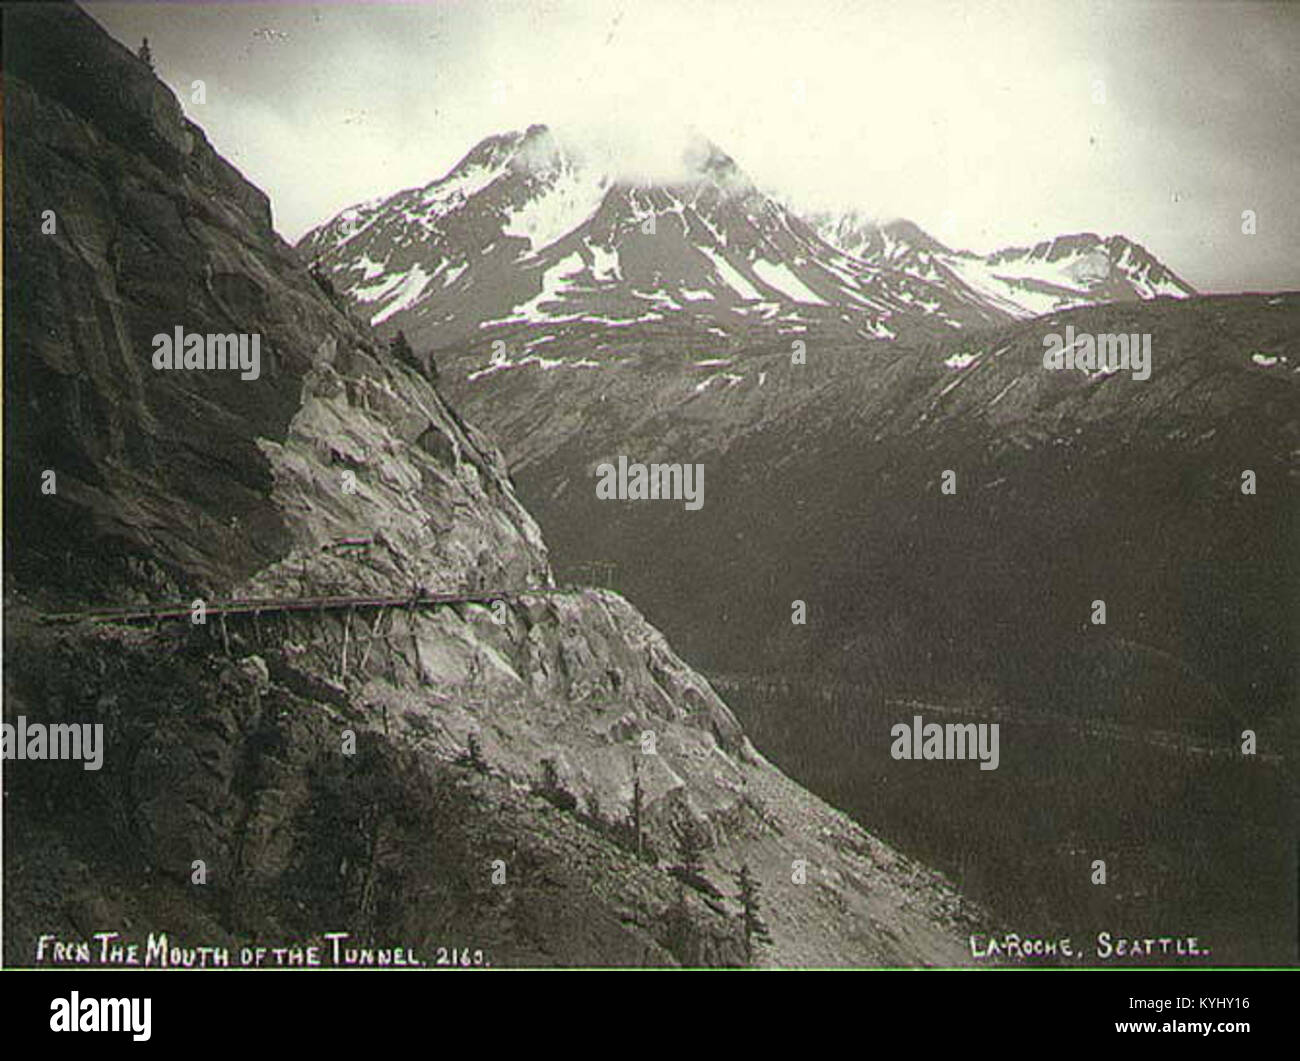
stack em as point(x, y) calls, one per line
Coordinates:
point(614, 322)
point(453, 190)
point(369, 270)
point(779, 276)
point(411, 288)
point(604, 264)
point(728, 274)
point(555, 281)
point(558, 209)
point(375, 292)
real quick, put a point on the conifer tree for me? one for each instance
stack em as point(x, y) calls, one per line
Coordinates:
point(752, 922)
point(401, 349)
point(691, 849)
point(636, 802)
point(473, 755)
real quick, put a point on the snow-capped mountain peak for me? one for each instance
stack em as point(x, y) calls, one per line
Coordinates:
point(530, 229)
point(1069, 270)
point(527, 229)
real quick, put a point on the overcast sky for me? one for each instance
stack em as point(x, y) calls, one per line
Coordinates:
point(979, 121)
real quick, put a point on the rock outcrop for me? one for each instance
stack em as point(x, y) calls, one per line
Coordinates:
point(123, 224)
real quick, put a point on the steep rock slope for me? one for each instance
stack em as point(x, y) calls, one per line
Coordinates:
point(511, 737)
point(1070, 487)
point(850, 446)
point(200, 476)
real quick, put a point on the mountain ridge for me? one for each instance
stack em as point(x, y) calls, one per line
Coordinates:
point(706, 245)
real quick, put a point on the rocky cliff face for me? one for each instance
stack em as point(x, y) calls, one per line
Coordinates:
point(516, 779)
point(201, 477)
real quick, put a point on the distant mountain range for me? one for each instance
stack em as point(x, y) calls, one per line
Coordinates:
point(1055, 274)
point(524, 230)
point(581, 317)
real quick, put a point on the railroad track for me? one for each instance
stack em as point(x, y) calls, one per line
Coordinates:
point(257, 606)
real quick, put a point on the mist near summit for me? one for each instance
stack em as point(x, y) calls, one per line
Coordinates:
point(988, 125)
